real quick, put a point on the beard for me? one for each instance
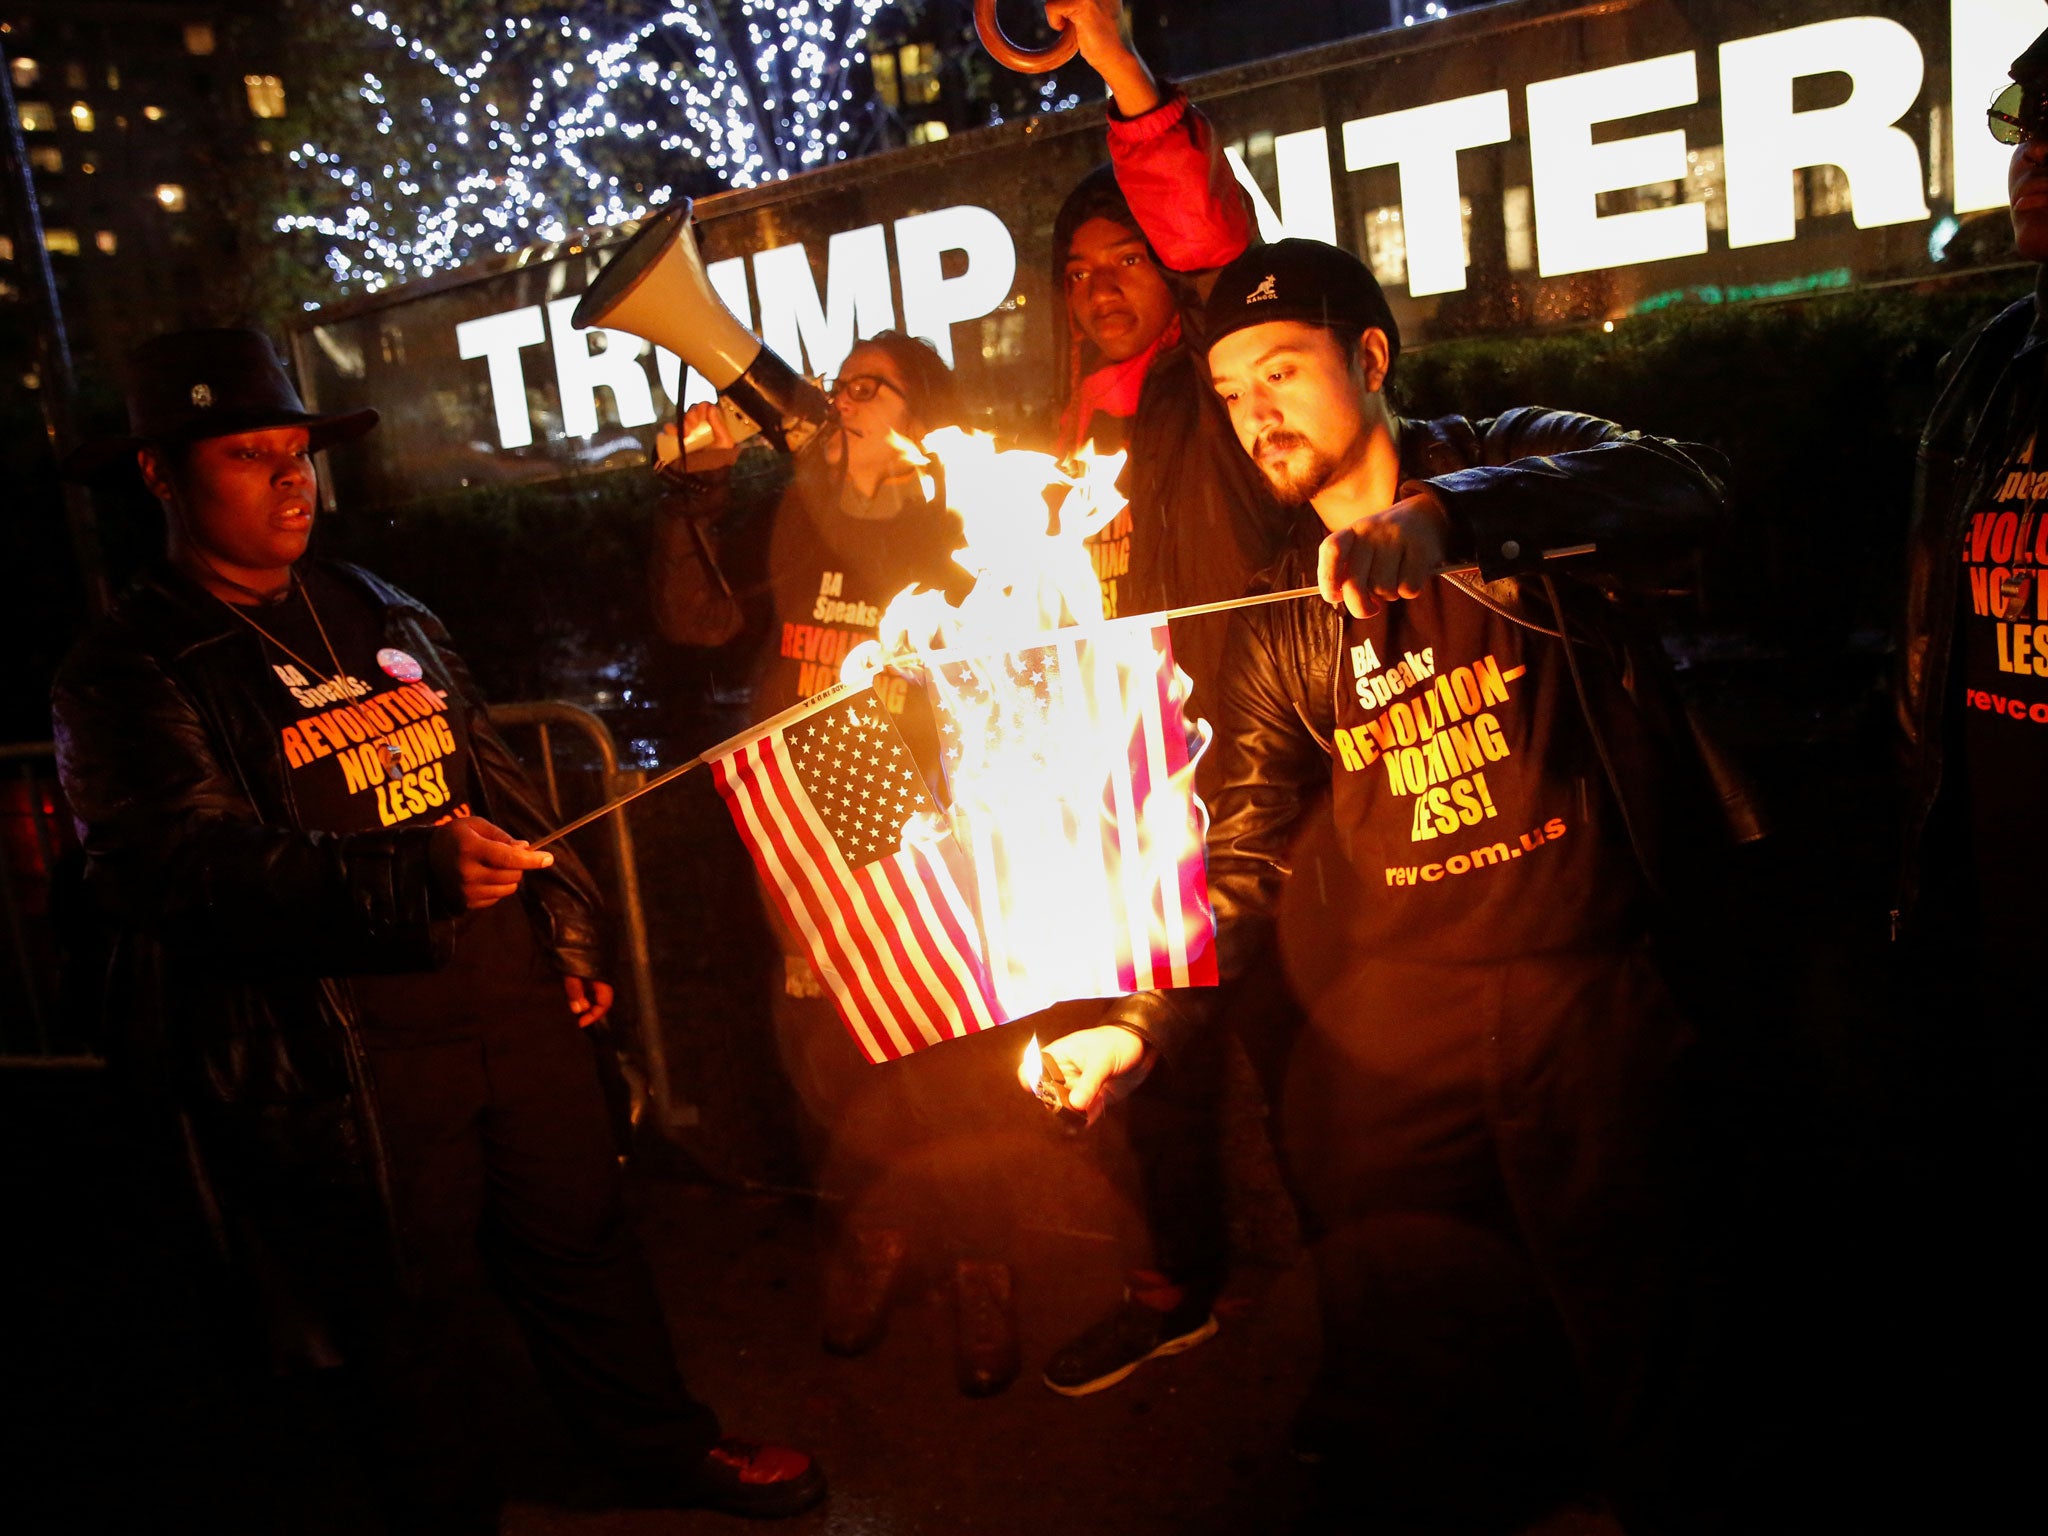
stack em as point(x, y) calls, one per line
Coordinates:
point(1306, 470)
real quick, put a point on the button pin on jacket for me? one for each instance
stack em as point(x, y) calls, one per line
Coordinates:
point(2013, 593)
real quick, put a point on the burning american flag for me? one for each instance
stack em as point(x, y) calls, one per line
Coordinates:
point(1067, 859)
point(1072, 764)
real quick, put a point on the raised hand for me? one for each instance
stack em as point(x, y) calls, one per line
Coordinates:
point(1099, 28)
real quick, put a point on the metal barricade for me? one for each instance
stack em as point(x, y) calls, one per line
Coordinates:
point(35, 832)
point(545, 718)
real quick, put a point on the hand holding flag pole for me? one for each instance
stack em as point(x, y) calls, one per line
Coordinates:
point(821, 700)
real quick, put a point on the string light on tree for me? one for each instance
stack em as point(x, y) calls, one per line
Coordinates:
point(553, 122)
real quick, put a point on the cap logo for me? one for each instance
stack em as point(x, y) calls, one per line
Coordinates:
point(1264, 291)
point(202, 396)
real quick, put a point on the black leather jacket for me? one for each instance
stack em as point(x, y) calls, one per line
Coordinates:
point(1995, 379)
point(1527, 481)
point(234, 929)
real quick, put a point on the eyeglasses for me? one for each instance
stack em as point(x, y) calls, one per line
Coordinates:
point(861, 387)
point(2016, 116)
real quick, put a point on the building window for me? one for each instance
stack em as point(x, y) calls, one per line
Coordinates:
point(1706, 183)
point(884, 66)
point(1003, 337)
point(86, 167)
point(81, 116)
point(1386, 246)
point(61, 242)
point(266, 95)
point(154, 114)
point(6, 248)
point(170, 197)
point(36, 117)
point(26, 72)
point(74, 76)
point(907, 76)
point(1386, 241)
point(927, 133)
point(198, 38)
point(1937, 152)
point(917, 67)
point(1827, 191)
point(1517, 218)
point(46, 157)
point(106, 242)
point(113, 77)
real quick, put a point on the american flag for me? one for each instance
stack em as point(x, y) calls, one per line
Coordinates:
point(823, 802)
point(1086, 844)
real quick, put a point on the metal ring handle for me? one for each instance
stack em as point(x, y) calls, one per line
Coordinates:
point(1026, 61)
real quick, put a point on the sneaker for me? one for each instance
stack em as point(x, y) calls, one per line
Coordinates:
point(1118, 1344)
point(756, 1482)
point(985, 1354)
point(860, 1285)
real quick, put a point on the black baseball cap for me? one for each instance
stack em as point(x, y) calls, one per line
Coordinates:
point(1302, 280)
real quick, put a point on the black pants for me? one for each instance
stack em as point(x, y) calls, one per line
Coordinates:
point(1958, 1329)
point(935, 1143)
point(1176, 1133)
point(1482, 1159)
point(504, 1171)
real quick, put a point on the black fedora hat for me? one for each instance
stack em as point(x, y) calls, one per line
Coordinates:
point(187, 385)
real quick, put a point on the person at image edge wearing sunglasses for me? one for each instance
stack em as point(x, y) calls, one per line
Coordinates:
point(1971, 697)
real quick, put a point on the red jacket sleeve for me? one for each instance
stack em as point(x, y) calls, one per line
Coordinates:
point(1174, 176)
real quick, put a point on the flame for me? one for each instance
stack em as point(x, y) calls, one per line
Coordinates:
point(1049, 711)
point(1033, 1065)
point(1026, 518)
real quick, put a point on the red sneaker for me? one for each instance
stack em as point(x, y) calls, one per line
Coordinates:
point(758, 1482)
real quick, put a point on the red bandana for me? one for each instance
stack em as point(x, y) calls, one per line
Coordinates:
point(1112, 389)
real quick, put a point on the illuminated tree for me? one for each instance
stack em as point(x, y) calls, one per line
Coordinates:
point(455, 131)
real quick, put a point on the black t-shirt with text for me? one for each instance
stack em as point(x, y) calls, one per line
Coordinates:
point(832, 574)
point(1466, 791)
point(2001, 672)
point(374, 746)
point(368, 747)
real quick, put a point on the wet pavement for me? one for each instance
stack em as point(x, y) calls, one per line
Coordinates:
point(1193, 1443)
point(130, 1419)
point(124, 1414)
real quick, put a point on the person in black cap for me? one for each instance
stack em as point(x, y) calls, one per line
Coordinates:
point(1473, 1119)
point(1971, 705)
point(347, 970)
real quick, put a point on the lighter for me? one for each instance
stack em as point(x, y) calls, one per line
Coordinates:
point(1050, 1084)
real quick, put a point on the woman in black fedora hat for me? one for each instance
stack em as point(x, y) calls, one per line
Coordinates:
point(347, 972)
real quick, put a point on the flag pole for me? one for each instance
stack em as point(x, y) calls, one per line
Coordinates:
point(790, 716)
point(832, 695)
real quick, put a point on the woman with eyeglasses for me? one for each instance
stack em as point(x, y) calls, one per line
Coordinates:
point(798, 557)
point(786, 564)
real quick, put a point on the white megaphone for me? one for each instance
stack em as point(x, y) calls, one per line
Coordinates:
point(656, 288)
